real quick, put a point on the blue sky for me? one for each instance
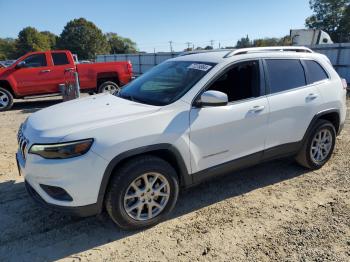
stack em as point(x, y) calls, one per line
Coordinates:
point(152, 23)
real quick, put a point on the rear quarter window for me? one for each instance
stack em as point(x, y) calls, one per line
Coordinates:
point(315, 71)
point(60, 59)
point(285, 74)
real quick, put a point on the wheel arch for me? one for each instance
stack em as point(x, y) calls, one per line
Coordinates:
point(6, 85)
point(107, 76)
point(332, 115)
point(165, 151)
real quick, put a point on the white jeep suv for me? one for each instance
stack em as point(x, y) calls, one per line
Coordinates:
point(186, 120)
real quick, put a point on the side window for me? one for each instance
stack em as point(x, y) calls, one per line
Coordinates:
point(314, 71)
point(37, 60)
point(241, 81)
point(60, 59)
point(285, 74)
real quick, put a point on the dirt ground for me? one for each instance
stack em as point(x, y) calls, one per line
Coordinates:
point(274, 211)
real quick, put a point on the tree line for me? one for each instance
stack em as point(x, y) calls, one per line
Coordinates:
point(80, 36)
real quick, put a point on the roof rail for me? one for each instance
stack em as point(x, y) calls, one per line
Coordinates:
point(242, 51)
point(205, 51)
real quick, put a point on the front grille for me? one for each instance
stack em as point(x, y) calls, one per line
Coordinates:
point(23, 142)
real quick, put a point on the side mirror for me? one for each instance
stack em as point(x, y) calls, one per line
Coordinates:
point(21, 64)
point(212, 98)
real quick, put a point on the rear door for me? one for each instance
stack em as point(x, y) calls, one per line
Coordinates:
point(293, 102)
point(62, 70)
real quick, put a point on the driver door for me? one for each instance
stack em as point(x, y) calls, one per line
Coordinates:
point(236, 131)
point(34, 76)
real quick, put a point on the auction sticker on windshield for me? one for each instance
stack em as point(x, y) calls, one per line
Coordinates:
point(202, 67)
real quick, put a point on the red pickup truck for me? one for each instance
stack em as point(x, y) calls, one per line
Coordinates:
point(41, 73)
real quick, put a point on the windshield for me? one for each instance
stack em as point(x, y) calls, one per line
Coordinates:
point(165, 83)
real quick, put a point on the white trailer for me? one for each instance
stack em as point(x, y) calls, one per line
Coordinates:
point(309, 37)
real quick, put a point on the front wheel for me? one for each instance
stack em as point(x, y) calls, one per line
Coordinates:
point(142, 192)
point(6, 99)
point(318, 147)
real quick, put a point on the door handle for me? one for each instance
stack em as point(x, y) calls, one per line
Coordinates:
point(45, 71)
point(312, 96)
point(68, 69)
point(257, 109)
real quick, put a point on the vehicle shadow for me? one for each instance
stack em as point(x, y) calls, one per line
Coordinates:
point(31, 106)
point(38, 234)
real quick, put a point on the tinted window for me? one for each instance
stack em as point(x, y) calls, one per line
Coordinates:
point(315, 71)
point(37, 60)
point(242, 81)
point(285, 74)
point(60, 59)
point(166, 82)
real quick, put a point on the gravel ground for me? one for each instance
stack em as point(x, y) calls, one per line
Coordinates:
point(274, 211)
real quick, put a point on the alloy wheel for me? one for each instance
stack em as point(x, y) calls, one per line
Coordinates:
point(147, 196)
point(110, 89)
point(321, 145)
point(4, 100)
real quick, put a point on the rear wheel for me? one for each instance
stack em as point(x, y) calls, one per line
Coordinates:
point(319, 146)
point(109, 87)
point(6, 99)
point(142, 193)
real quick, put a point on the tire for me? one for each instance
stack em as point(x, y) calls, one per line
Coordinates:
point(121, 194)
point(108, 87)
point(306, 156)
point(6, 99)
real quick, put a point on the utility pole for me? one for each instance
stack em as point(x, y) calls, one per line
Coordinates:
point(171, 46)
point(188, 45)
point(212, 43)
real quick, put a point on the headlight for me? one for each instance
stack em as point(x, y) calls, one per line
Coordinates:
point(62, 150)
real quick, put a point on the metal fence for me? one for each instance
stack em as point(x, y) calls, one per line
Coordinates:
point(339, 54)
point(140, 62)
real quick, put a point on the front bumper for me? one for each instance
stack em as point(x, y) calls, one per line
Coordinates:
point(81, 211)
point(80, 177)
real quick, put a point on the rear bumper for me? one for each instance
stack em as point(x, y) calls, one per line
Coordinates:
point(81, 211)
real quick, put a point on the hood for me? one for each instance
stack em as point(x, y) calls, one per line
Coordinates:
point(2, 70)
point(91, 112)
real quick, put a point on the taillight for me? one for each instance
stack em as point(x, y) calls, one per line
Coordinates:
point(345, 84)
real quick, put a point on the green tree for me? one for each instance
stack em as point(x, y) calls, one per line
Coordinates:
point(120, 45)
point(344, 28)
point(244, 42)
point(272, 41)
point(328, 16)
point(7, 48)
point(30, 39)
point(52, 38)
point(83, 38)
point(208, 47)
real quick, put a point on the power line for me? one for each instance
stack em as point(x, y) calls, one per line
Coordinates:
point(188, 44)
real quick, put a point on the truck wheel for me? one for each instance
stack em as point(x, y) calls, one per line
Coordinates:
point(109, 87)
point(142, 192)
point(319, 146)
point(6, 99)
